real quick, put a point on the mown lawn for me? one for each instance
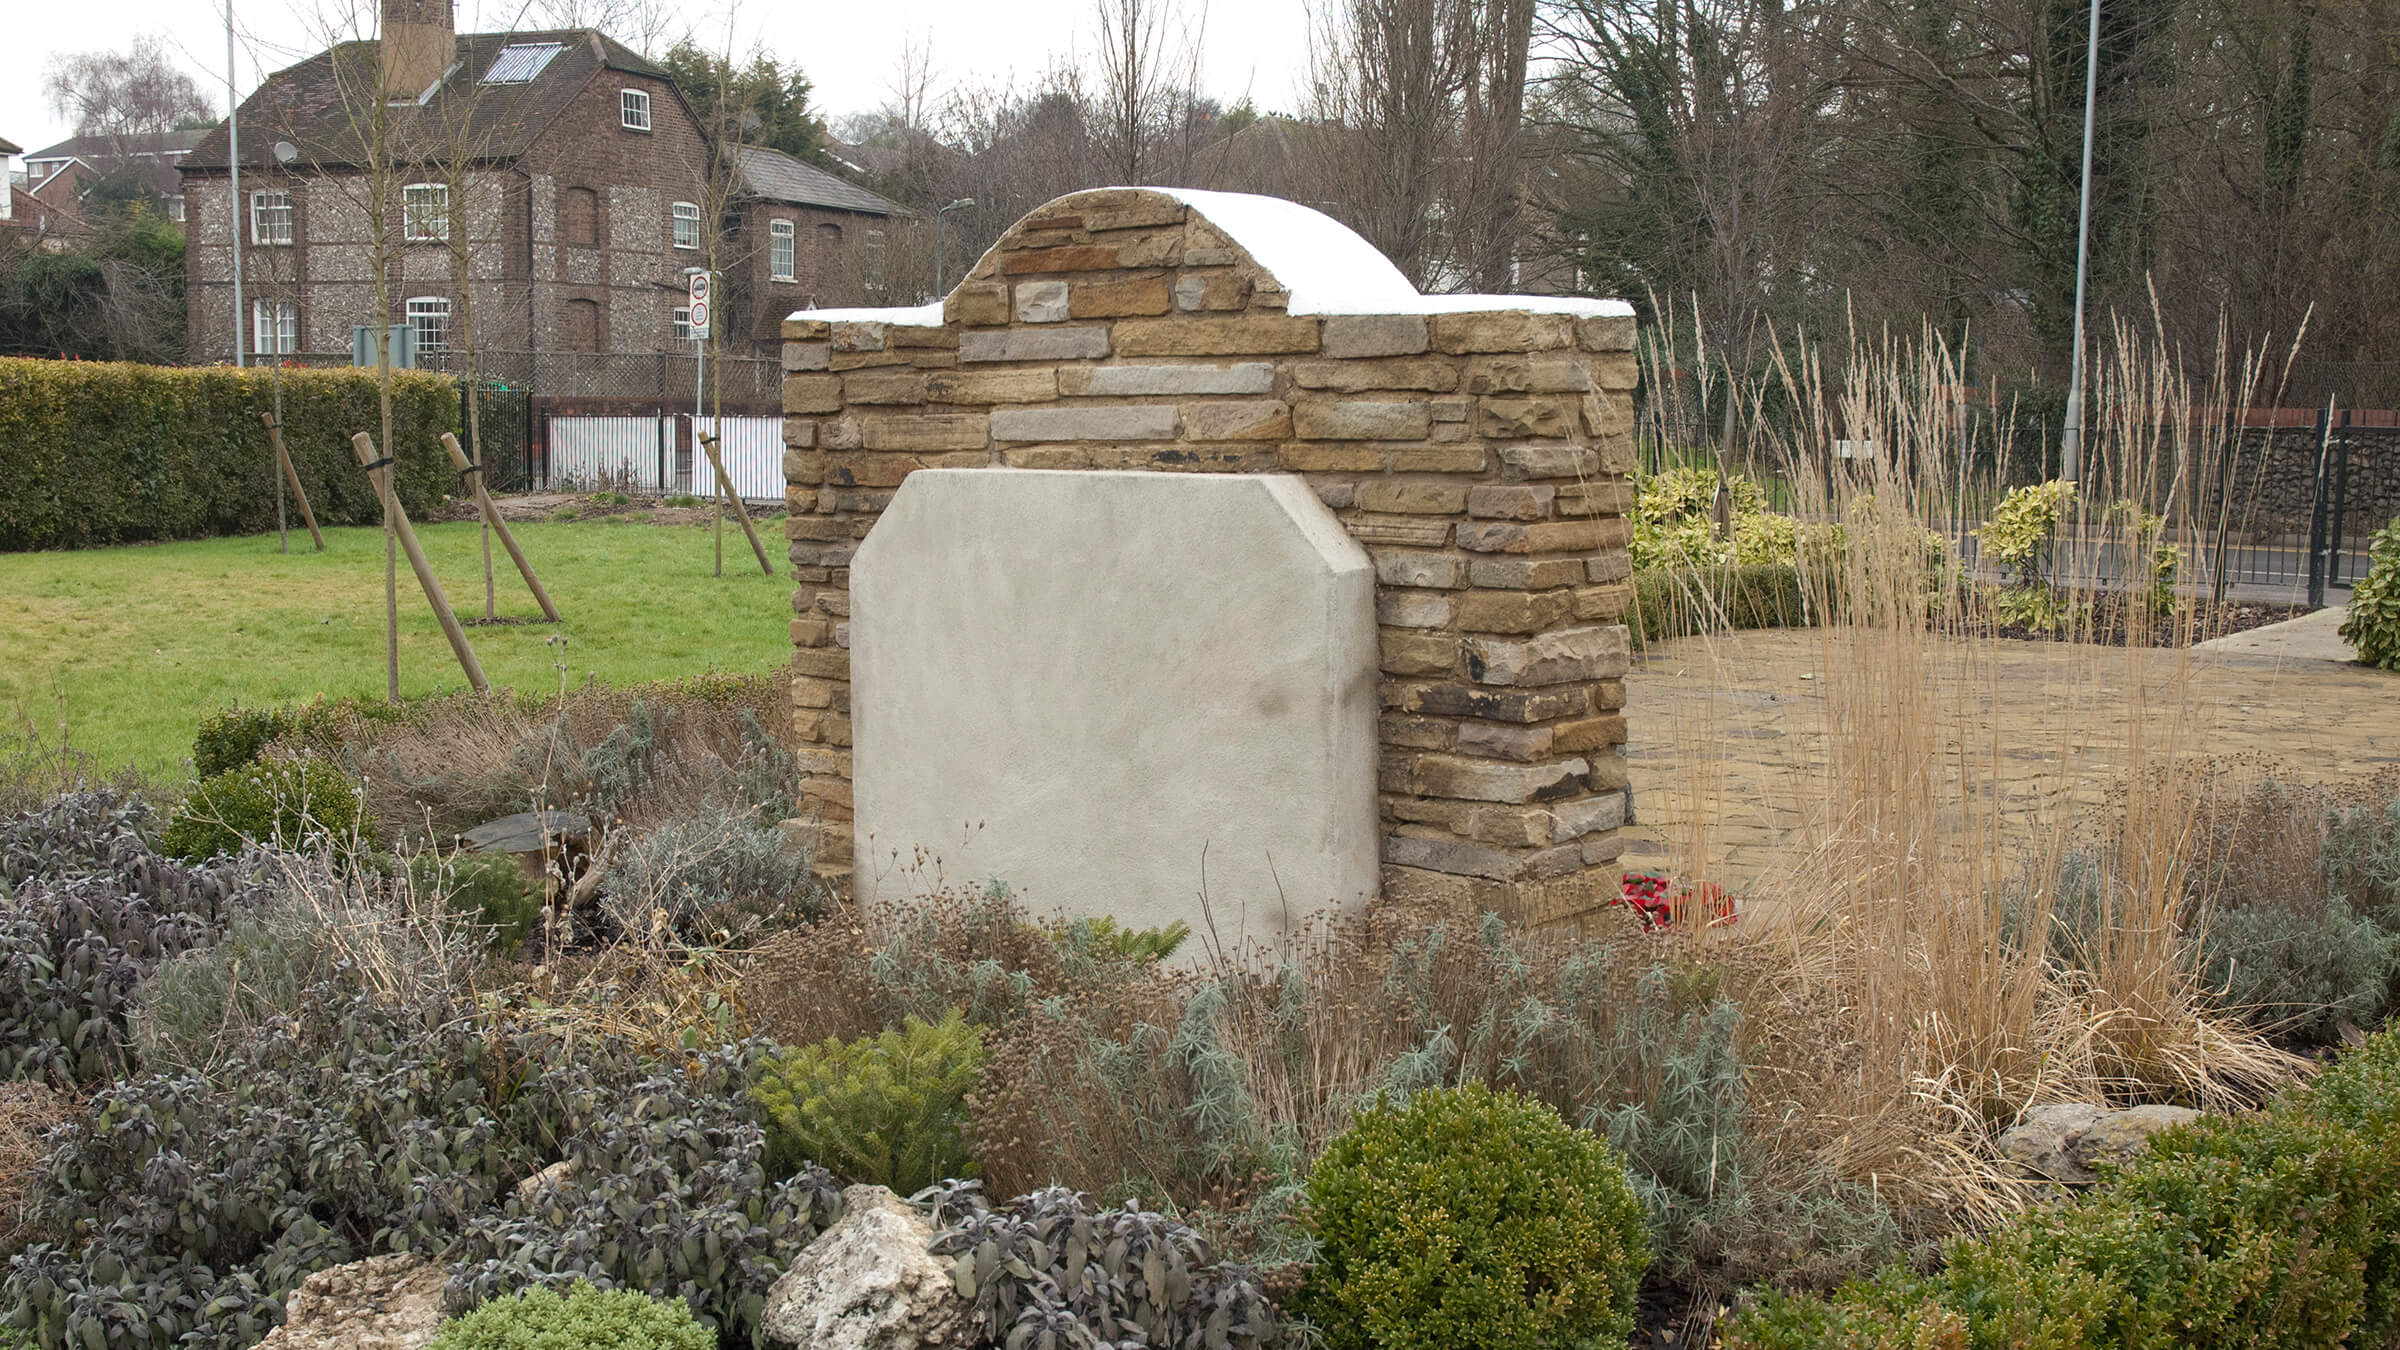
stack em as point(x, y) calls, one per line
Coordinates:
point(140, 643)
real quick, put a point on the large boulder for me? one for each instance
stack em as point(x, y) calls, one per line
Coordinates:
point(382, 1303)
point(869, 1283)
point(2065, 1142)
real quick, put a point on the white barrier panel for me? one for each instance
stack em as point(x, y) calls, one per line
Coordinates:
point(623, 454)
point(752, 448)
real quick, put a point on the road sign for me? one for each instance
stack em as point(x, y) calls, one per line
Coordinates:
point(700, 304)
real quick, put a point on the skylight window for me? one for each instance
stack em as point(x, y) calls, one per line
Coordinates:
point(522, 62)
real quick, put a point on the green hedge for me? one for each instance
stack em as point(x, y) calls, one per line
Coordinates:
point(98, 453)
point(2275, 1229)
point(1672, 602)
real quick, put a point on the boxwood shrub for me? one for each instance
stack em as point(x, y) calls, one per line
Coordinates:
point(1678, 602)
point(105, 453)
point(2276, 1229)
point(1472, 1220)
point(585, 1319)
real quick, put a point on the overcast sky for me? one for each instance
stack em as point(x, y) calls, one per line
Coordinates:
point(849, 48)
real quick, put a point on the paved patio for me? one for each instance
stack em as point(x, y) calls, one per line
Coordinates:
point(1730, 733)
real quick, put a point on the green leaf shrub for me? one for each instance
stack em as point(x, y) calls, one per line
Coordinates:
point(241, 734)
point(2297, 965)
point(1469, 1218)
point(2271, 1230)
point(883, 1110)
point(100, 453)
point(2372, 623)
point(88, 910)
point(585, 1319)
point(290, 803)
point(1049, 1270)
point(1675, 602)
point(1113, 942)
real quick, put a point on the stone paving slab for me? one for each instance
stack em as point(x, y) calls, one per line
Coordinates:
point(2312, 637)
point(1730, 743)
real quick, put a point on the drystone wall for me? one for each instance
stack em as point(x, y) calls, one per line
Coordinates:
point(1477, 447)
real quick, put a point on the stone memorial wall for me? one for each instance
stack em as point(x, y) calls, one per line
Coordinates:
point(1477, 447)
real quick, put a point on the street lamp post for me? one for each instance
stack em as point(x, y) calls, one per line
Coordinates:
point(2070, 438)
point(961, 203)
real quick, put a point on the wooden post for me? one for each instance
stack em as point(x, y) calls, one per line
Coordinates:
point(491, 516)
point(292, 476)
point(740, 512)
point(364, 446)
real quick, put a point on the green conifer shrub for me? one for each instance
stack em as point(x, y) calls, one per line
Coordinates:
point(1468, 1219)
point(884, 1110)
point(584, 1319)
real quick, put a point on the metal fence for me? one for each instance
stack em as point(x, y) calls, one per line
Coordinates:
point(653, 455)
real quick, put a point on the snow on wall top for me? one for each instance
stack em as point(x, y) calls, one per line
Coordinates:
point(1325, 266)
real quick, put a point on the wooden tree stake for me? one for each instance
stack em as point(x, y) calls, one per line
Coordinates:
point(292, 476)
point(364, 446)
point(740, 512)
point(491, 517)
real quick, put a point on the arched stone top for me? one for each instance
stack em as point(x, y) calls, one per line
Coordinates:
point(1321, 266)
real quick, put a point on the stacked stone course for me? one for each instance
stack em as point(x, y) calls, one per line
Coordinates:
point(1480, 456)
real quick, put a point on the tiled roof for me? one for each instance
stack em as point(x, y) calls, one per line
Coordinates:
point(777, 177)
point(312, 104)
point(96, 148)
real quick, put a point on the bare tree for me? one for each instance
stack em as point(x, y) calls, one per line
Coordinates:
point(123, 95)
point(647, 26)
point(1149, 78)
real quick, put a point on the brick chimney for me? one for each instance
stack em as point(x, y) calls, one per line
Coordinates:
point(420, 40)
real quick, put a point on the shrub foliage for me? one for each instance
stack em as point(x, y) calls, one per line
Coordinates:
point(2372, 624)
point(99, 453)
point(584, 1319)
point(288, 803)
point(884, 1110)
point(1470, 1218)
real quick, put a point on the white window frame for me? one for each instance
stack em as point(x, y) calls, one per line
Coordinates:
point(262, 212)
point(633, 109)
point(682, 214)
point(175, 209)
point(274, 328)
point(430, 314)
point(436, 213)
point(683, 323)
point(783, 250)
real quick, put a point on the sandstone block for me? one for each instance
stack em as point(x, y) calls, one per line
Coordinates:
point(1120, 297)
point(1068, 258)
point(1241, 420)
point(1153, 422)
point(1504, 740)
point(1609, 333)
point(1047, 457)
point(1420, 653)
point(920, 335)
point(1608, 497)
point(1501, 331)
point(806, 330)
point(1252, 334)
point(1375, 335)
point(1158, 249)
point(1498, 705)
point(1520, 462)
point(1332, 457)
point(806, 355)
point(1590, 733)
point(1450, 855)
point(1526, 574)
point(991, 386)
point(859, 337)
point(1482, 780)
point(1041, 301)
point(1209, 255)
point(1608, 567)
point(1412, 609)
point(1601, 652)
point(1432, 374)
point(1617, 374)
point(1511, 503)
point(812, 393)
point(1255, 377)
point(1406, 531)
point(1135, 213)
point(1407, 496)
point(1187, 457)
point(1553, 536)
point(938, 431)
point(1514, 418)
point(1442, 890)
point(799, 433)
point(1510, 826)
point(1408, 567)
point(884, 385)
point(978, 304)
point(1040, 344)
point(1437, 458)
point(1481, 611)
point(1360, 420)
point(841, 435)
point(1212, 290)
point(1420, 733)
point(1588, 815)
point(1607, 415)
point(1602, 603)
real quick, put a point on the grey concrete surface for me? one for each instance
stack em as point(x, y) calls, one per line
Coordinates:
point(2311, 637)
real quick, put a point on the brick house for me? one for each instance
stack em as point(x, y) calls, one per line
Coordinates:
point(809, 240)
point(141, 164)
point(580, 169)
